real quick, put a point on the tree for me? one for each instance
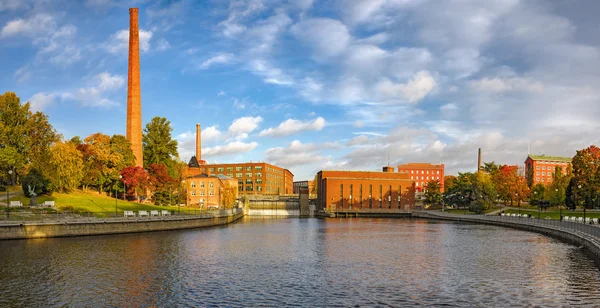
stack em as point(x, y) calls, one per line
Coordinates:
point(158, 145)
point(315, 189)
point(460, 192)
point(483, 192)
point(25, 134)
point(119, 145)
point(160, 184)
point(101, 163)
point(585, 170)
point(228, 194)
point(538, 191)
point(556, 191)
point(509, 185)
point(449, 181)
point(136, 179)
point(65, 167)
point(34, 184)
point(433, 195)
point(490, 168)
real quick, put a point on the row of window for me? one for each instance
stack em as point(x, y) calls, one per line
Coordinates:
point(237, 168)
point(370, 198)
point(423, 178)
point(210, 184)
point(551, 162)
point(201, 192)
point(544, 168)
point(543, 179)
point(424, 172)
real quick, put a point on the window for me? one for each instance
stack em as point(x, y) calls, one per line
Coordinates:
point(537, 179)
point(537, 167)
point(390, 198)
point(220, 169)
point(241, 188)
point(411, 178)
point(238, 175)
point(258, 175)
point(248, 168)
point(211, 192)
point(399, 196)
point(360, 195)
point(248, 188)
point(438, 172)
point(259, 188)
point(211, 169)
point(427, 171)
point(350, 196)
point(238, 168)
point(422, 172)
point(258, 181)
point(370, 195)
point(422, 178)
point(543, 179)
point(427, 178)
point(258, 168)
point(240, 182)
point(543, 173)
point(211, 184)
point(341, 195)
point(202, 184)
point(537, 173)
point(411, 171)
point(543, 167)
point(230, 175)
point(201, 192)
point(229, 168)
point(193, 184)
point(380, 196)
point(193, 192)
point(248, 181)
point(249, 175)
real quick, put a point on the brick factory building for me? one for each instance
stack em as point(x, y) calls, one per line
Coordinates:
point(423, 173)
point(541, 168)
point(308, 184)
point(346, 190)
point(257, 178)
point(206, 190)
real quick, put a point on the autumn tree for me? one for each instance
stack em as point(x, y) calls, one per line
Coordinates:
point(160, 183)
point(449, 181)
point(228, 194)
point(490, 168)
point(585, 187)
point(158, 145)
point(483, 192)
point(509, 185)
point(556, 191)
point(433, 195)
point(103, 159)
point(538, 191)
point(136, 180)
point(24, 135)
point(35, 184)
point(460, 192)
point(65, 169)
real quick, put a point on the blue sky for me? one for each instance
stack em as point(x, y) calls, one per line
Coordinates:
point(311, 85)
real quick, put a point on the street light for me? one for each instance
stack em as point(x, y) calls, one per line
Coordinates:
point(7, 188)
point(538, 203)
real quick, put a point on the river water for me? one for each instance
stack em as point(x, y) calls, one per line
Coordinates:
point(302, 262)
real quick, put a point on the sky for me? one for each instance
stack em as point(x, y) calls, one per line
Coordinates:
point(312, 85)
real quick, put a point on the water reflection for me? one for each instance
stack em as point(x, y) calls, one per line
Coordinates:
point(304, 262)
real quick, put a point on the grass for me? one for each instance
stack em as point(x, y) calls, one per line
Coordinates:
point(79, 201)
point(467, 212)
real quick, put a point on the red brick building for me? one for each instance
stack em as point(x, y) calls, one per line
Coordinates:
point(422, 173)
point(541, 168)
point(308, 184)
point(346, 190)
point(206, 190)
point(252, 178)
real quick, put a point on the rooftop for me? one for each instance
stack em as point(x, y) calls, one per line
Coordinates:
point(551, 158)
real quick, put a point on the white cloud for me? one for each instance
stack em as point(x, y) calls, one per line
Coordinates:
point(36, 25)
point(6, 5)
point(495, 85)
point(222, 58)
point(94, 96)
point(235, 147)
point(270, 74)
point(40, 101)
point(162, 45)
point(298, 154)
point(413, 91)
point(327, 37)
point(292, 126)
point(244, 125)
point(118, 43)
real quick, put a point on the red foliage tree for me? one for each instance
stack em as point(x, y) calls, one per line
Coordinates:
point(136, 180)
point(159, 177)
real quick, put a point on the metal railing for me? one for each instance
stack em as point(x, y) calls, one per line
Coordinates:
point(587, 228)
point(33, 216)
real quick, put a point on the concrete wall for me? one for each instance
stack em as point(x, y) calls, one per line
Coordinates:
point(111, 226)
point(273, 212)
point(591, 243)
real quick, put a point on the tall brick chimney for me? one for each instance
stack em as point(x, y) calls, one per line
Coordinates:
point(479, 160)
point(198, 143)
point(134, 99)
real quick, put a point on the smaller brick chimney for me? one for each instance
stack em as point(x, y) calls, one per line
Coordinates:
point(388, 169)
point(198, 143)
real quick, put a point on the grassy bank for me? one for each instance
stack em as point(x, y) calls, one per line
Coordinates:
point(555, 214)
point(79, 201)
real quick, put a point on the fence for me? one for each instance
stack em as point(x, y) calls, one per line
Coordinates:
point(561, 225)
point(16, 215)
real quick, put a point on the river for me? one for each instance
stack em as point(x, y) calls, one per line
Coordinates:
point(301, 262)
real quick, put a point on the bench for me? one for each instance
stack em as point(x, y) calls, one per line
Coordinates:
point(143, 213)
point(153, 213)
point(15, 204)
point(165, 213)
point(48, 203)
point(128, 214)
point(579, 219)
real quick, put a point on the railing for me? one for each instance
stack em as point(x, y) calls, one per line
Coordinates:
point(39, 216)
point(587, 228)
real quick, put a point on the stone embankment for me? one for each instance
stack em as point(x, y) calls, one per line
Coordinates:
point(82, 227)
point(579, 234)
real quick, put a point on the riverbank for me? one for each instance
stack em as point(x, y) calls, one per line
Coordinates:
point(578, 234)
point(44, 229)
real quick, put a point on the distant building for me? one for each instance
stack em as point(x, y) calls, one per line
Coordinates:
point(541, 168)
point(307, 184)
point(423, 173)
point(364, 190)
point(206, 190)
point(252, 178)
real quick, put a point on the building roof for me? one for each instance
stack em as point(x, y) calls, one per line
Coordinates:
point(420, 165)
point(193, 163)
point(551, 158)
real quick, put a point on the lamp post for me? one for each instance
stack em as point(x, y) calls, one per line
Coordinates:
point(538, 203)
point(559, 206)
point(7, 188)
point(518, 203)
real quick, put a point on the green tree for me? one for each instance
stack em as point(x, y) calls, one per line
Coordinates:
point(586, 184)
point(101, 163)
point(34, 184)
point(490, 168)
point(65, 167)
point(228, 194)
point(556, 192)
point(119, 145)
point(483, 192)
point(433, 195)
point(158, 145)
point(538, 191)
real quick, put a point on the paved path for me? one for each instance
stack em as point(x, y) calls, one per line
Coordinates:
point(10, 195)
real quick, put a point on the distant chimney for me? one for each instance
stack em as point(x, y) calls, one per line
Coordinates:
point(198, 143)
point(479, 160)
point(388, 169)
